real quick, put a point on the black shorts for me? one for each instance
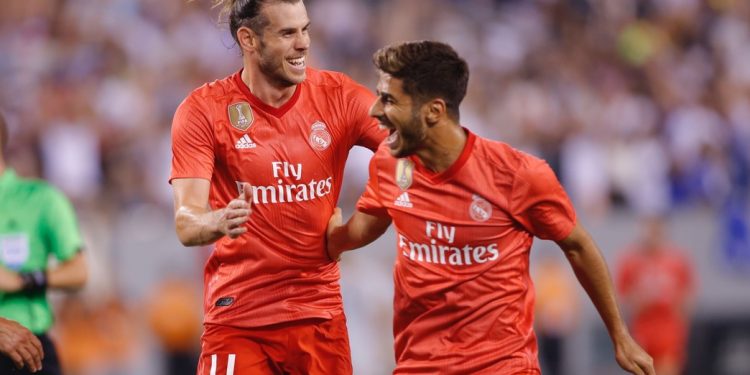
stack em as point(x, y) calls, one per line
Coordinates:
point(50, 363)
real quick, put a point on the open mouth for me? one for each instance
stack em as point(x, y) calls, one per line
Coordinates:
point(297, 62)
point(392, 136)
point(392, 133)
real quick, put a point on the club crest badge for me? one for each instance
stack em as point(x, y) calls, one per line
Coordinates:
point(320, 138)
point(480, 210)
point(240, 115)
point(404, 173)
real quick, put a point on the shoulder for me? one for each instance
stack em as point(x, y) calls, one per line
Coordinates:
point(518, 162)
point(496, 153)
point(331, 81)
point(211, 91)
point(38, 190)
point(504, 161)
point(326, 78)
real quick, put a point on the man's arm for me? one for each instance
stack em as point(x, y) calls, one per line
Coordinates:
point(360, 230)
point(70, 274)
point(196, 224)
point(591, 271)
point(20, 345)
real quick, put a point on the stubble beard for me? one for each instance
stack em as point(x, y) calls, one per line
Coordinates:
point(274, 69)
point(410, 137)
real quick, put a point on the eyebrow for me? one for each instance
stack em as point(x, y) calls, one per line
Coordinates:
point(384, 95)
point(293, 29)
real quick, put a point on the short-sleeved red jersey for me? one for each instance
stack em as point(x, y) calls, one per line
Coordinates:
point(293, 157)
point(464, 299)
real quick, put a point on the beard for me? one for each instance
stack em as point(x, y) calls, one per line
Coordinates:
point(411, 135)
point(273, 67)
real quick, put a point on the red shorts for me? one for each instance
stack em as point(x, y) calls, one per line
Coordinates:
point(311, 346)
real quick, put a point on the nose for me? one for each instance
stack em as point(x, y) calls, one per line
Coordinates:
point(302, 42)
point(376, 109)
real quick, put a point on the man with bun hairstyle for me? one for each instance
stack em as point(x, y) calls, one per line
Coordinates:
point(257, 166)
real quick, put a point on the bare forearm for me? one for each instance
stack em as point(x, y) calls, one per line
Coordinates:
point(197, 227)
point(360, 230)
point(350, 236)
point(591, 271)
point(71, 275)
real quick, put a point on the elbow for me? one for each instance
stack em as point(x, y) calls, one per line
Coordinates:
point(186, 232)
point(186, 239)
point(183, 235)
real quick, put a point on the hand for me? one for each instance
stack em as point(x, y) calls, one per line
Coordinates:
point(334, 222)
point(20, 345)
point(236, 214)
point(632, 358)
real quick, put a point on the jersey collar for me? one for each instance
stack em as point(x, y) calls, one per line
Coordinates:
point(446, 175)
point(259, 104)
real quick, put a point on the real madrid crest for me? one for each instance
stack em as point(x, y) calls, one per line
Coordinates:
point(480, 210)
point(240, 115)
point(404, 173)
point(320, 138)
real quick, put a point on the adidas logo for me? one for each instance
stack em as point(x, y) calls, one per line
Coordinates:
point(244, 143)
point(403, 201)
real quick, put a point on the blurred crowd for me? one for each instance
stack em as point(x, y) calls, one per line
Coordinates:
point(639, 105)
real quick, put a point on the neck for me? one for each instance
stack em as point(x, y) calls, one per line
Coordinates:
point(443, 146)
point(264, 89)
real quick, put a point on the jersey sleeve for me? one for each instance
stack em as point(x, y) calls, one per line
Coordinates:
point(370, 202)
point(539, 202)
point(192, 142)
point(358, 100)
point(60, 227)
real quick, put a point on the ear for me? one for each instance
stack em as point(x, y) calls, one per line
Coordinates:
point(247, 39)
point(434, 110)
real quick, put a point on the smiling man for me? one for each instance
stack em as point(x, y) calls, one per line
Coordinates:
point(258, 159)
point(466, 210)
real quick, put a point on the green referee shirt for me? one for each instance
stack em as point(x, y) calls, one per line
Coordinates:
point(36, 221)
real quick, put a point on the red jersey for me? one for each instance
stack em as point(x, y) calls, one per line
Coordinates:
point(293, 157)
point(464, 299)
point(662, 282)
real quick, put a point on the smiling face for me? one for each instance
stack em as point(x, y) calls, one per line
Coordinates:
point(400, 114)
point(284, 44)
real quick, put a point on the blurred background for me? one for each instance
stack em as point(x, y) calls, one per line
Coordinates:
point(642, 107)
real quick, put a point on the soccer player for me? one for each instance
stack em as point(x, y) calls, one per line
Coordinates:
point(656, 281)
point(466, 210)
point(258, 159)
point(37, 222)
